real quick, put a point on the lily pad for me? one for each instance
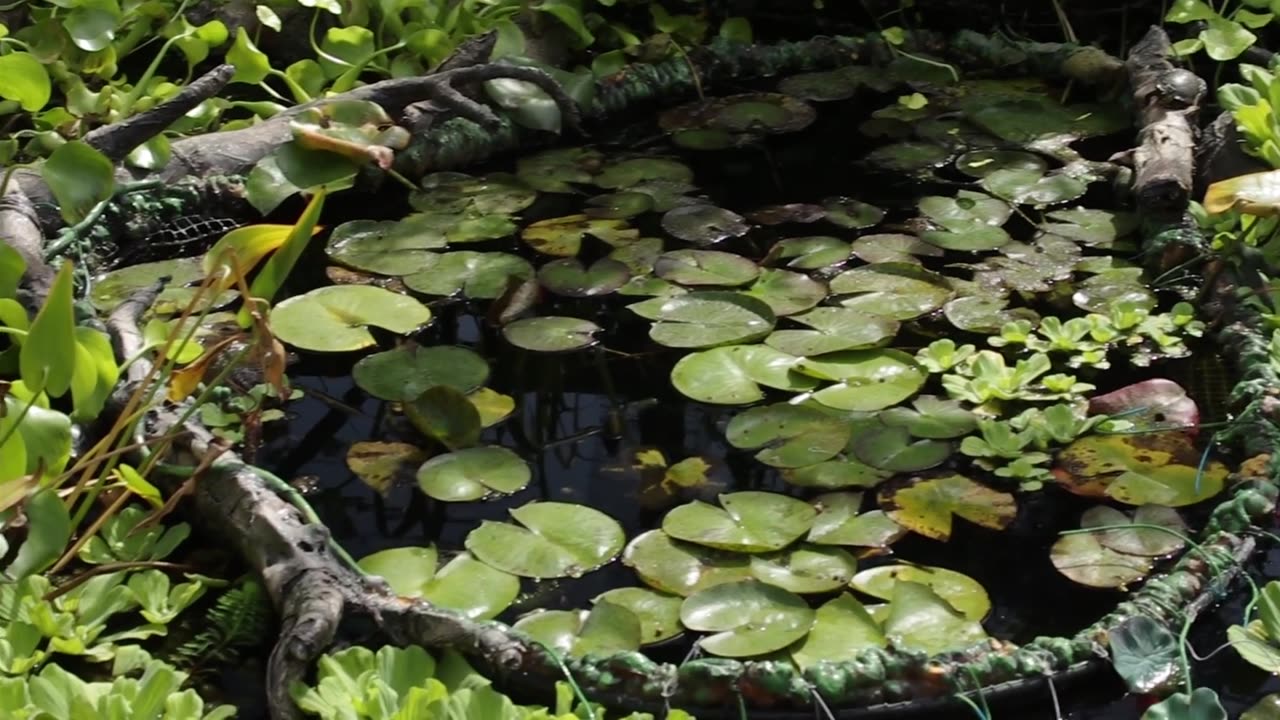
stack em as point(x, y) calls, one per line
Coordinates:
point(560, 169)
point(119, 285)
point(605, 629)
point(706, 319)
point(1145, 654)
point(921, 620)
point(747, 521)
point(893, 247)
point(787, 292)
point(473, 474)
point(682, 568)
point(464, 584)
point(842, 472)
point(965, 209)
point(658, 612)
point(747, 618)
point(385, 246)
point(406, 372)
point(977, 237)
point(805, 569)
point(825, 86)
point(551, 334)
point(981, 163)
point(1088, 562)
point(1155, 404)
point(453, 192)
point(932, 417)
point(638, 256)
point(446, 415)
point(900, 291)
point(788, 436)
point(787, 213)
point(336, 318)
point(1142, 541)
point(618, 205)
point(1038, 119)
point(926, 504)
point(833, 330)
point(985, 313)
point(866, 380)
point(842, 630)
point(562, 236)
point(703, 225)
point(568, 277)
point(810, 253)
point(733, 375)
point(381, 464)
point(841, 522)
point(959, 590)
point(1034, 187)
point(892, 448)
point(474, 275)
point(851, 214)
point(1104, 291)
point(1088, 226)
point(631, 172)
point(756, 113)
point(1161, 468)
point(553, 539)
point(705, 267)
point(908, 157)
point(710, 139)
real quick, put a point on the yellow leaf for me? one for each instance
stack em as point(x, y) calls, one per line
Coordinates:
point(240, 250)
point(1253, 194)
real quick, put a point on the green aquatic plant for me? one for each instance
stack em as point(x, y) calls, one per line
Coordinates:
point(1088, 340)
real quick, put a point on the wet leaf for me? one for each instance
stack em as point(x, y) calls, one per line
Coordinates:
point(981, 163)
point(788, 436)
point(703, 225)
point(635, 171)
point(445, 415)
point(900, 291)
point(866, 380)
point(553, 539)
point(571, 278)
point(562, 236)
point(1268, 708)
point(833, 330)
point(805, 569)
point(747, 521)
point(336, 318)
point(851, 214)
point(619, 205)
point(840, 522)
point(453, 192)
point(747, 618)
point(682, 568)
point(605, 629)
point(409, 370)
point(473, 474)
point(1145, 542)
point(787, 292)
point(921, 620)
point(559, 169)
point(1160, 468)
point(964, 210)
point(893, 449)
point(893, 247)
point(926, 505)
point(810, 253)
point(1202, 704)
point(79, 177)
point(960, 591)
point(1087, 562)
point(705, 267)
point(552, 334)
point(706, 319)
point(472, 588)
point(842, 629)
point(985, 313)
point(1144, 654)
point(1033, 187)
point(474, 275)
point(908, 157)
point(387, 247)
point(1150, 405)
point(658, 612)
point(380, 464)
point(932, 417)
point(733, 375)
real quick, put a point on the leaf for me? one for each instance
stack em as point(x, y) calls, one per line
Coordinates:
point(833, 329)
point(748, 521)
point(1086, 561)
point(335, 318)
point(272, 277)
point(239, 251)
point(48, 531)
point(1142, 541)
point(658, 612)
point(48, 356)
point(747, 618)
point(473, 474)
point(251, 64)
point(409, 370)
point(682, 568)
point(921, 620)
point(805, 569)
point(960, 591)
point(553, 540)
point(1255, 646)
point(866, 380)
point(1255, 194)
point(842, 630)
point(473, 275)
point(788, 436)
point(24, 79)
point(1160, 468)
point(706, 319)
point(1268, 708)
point(381, 464)
point(1226, 39)
point(926, 505)
point(733, 375)
point(1153, 404)
point(79, 178)
point(552, 334)
point(840, 523)
point(472, 588)
point(446, 415)
point(1202, 704)
point(1144, 654)
point(606, 629)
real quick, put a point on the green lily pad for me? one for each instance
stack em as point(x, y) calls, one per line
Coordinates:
point(709, 139)
point(1087, 226)
point(756, 113)
point(464, 584)
point(666, 194)
point(638, 256)
point(840, 522)
point(805, 569)
point(632, 172)
point(568, 277)
point(1037, 119)
point(733, 375)
point(605, 629)
point(908, 157)
point(842, 630)
point(925, 505)
point(551, 334)
point(706, 319)
point(787, 292)
point(825, 86)
point(446, 415)
point(1088, 562)
point(562, 236)
point(558, 170)
point(981, 163)
point(834, 329)
point(959, 590)
point(843, 472)
point(618, 205)
point(119, 285)
point(1142, 541)
point(658, 612)
point(453, 192)
point(900, 291)
point(985, 313)
point(747, 618)
point(336, 318)
point(682, 568)
point(703, 225)
point(932, 417)
point(406, 372)
point(787, 213)
point(473, 474)
point(921, 620)
point(1034, 187)
point(893, 247)
point(705, 267)
point(975, 238)
point(810, 253)
point(649, 286)
point(473, 275)
point(892, 448)
point(850, 213)
point(385, 246)
point(1101, 292)
point(866, 379)
point(553, 539)
point(748, 522)
point(965, 209)
point(788, 436)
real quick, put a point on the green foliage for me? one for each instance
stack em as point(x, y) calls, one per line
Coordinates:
point(1088, 340)
point(238, 620)
point(1226, 34)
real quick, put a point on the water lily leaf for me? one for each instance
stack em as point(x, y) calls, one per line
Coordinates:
point(387, 247)
point(667, 194)
point(1268, 708)
point(632, 172)
point(977, 237)
point(1038, 119)
point(492, 406)
point(568, 277)
point(900, 291)
point(407, 371)
point(1087, 226)
point(472, 588)
point(985, 313)
point(705, 267)
point(925, 504)
point(748, 618)
point(406, 569)
point(639, 256)
point(921, 620)
point(834, 329)
point(649, 286)
point(1160, 468)
point(810, 253)
point(553, 539)
point(551, 334)
point(473, 474)
point(703, 225)
point(932, 417)
point(842, 472)
point(787, 213)
point(115, 287)
point(755, 113)
point(605, 629)
point(733, 375)
point(1144, 654)
point(842, 629)
point(558, 170)
point(1087, 562)
point(825, 86)
point(562, 236)
point(381, 464)
point(852, 214)
point(1033, 187)
point(706, 319)
point(1155, 404)
point(711, 139)
point(473, 275)
point(747, 521)
point(908, 157)
point(336, 318)
point(682, 568)
point(893, 247)
point(1202, 703)
point(866, 380)
point(446, 415)
point(1143, 541)
point(619, 205)
point(1104, 291)
point(787, 292)
point(981, 163)
point(658, 612)
point(805, 569)
point(840, 522)
point(965, 209)
point(892, 448)
point(453, 192)
point(788, 436)
point(960, 591)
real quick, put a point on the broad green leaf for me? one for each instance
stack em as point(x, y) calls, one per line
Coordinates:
point(48, 354)
point(446, 415)
point(921, 620)
point(251, 64)
point(748, 521)
point(605, 629)
point(840, 522)
point(79, 178)
point(1144, 654)
point(473, 474)
point(553, 539)
point(24, 79)
point(733, 375)
point(1086, 561)
point(961, 591)
point(658, 612)
point(48, 531)
point(788, 436)
point(842, 629)
point(409, 370)
point(682, 568)
point(336, 318)
point(746, 618)
point(272, 277)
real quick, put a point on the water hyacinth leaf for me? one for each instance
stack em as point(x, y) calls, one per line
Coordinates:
point(733, 375)
point(48, 530)
point(748, 521)
point(635, 171)
point(24, 80)
point(381, 464)
point(959, 590)
point(446, 415)
point(406, 569)
point(908, 157)
point(1144, 654)
point(562, 236)
point(932, 417)
point(551, 334)
point(841, 522)
point(48, 353)
point(705, 267)
point(473, 474)
point(409, 370)
point(706, 319)
point(558, 170)
point(79, 177)
point(472, 588)
point(1143, 541)
point(619, 205)
point(1160, 468)
point(900, 291)
point(568, 277)
point(842, 629)
point(703, 225)
point(833, 330)
point(787, 292)
point(605, 629)
point(384, 246)
point(921, 620)
point(893, 247)
point(1032, 187)
point(680, 568)
point(117, 286)
point(337, 318)
point(851, 214)
point(844, 472)
point(747, 618)
point(977, 237)
point(867, 380)
point(1086, 561)
point(658, 612)
point(473, 275)
point(492, 194)
point(553, 539)
point(965, 209)
point(788, 436)
point(805, 569)
point(810, 253)
point(926, 505)
point(981, 163)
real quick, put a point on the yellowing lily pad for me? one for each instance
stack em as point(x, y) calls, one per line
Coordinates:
point(380, 464)
point(1159, 468)
point(925, 505)
point(336, 318)
point(563, 236)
